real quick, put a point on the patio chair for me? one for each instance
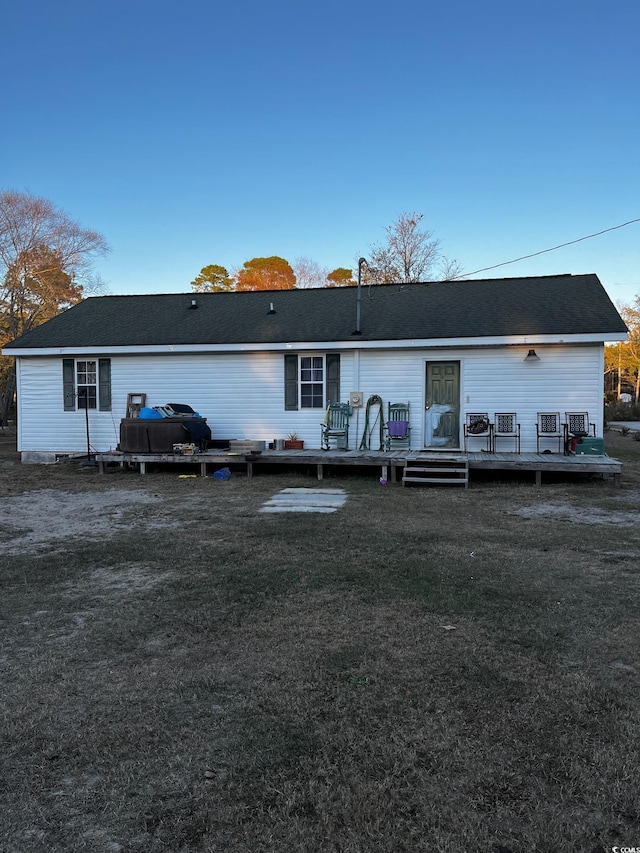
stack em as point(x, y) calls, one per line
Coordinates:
point(548, 427)
point(577, 426)
point(477, 426)
point(335, 426)
point(505, 425)
point(397, 428)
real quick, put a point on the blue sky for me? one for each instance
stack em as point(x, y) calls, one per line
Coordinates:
point(204, 132)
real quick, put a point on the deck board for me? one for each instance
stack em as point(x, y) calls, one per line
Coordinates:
point(391, 463)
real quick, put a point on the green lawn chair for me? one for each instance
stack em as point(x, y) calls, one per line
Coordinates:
point(335, 426)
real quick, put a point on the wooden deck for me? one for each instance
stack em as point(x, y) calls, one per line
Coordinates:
point(390, 464)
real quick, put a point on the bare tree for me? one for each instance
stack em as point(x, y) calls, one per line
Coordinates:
point(309, 273)
point(46, 265)
point(410, 254)
point(449, 269)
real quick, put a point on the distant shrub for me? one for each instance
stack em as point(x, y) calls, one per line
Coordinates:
point(617, 411)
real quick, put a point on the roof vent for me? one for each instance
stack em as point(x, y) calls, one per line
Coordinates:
point(194, 304)
point(271, 310)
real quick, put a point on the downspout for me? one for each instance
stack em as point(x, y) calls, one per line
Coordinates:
point(356, 368)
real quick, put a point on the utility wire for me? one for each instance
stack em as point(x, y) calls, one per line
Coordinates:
point(553, 248)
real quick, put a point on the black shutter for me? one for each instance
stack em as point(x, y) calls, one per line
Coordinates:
point(104, 384)
point(291, 382)
point(69, 384)
point(333, 377)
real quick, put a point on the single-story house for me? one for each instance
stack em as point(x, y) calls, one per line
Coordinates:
point(260, 365)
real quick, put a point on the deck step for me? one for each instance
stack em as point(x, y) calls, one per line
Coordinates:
point(448, 472)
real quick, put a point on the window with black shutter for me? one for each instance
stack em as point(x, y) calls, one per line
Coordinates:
point(86, 384)
point(311, 381)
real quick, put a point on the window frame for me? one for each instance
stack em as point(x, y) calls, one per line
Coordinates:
point(310, 387)
point(87, 390)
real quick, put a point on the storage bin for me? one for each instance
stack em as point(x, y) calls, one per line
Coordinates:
point(590, 447)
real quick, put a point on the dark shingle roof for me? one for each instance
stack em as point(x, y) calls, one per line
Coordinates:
point(549, 305)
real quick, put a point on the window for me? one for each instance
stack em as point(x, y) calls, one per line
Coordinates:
point(311, 381)
point(86, 384)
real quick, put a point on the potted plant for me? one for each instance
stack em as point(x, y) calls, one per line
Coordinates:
point(292, 442)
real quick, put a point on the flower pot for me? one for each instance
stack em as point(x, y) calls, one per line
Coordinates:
point(290, 444)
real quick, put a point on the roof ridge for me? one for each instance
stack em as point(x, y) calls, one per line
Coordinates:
point(351, 288)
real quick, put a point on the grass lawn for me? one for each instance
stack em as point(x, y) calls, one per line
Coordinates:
point(427, 669)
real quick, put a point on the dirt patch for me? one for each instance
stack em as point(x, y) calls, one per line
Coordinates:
point(124, 579)
point(34, 520)
point(576, 515)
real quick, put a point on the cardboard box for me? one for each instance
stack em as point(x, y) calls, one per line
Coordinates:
point(184, 449)
point(245, 445)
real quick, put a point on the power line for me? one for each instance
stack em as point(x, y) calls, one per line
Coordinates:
point(553, 248)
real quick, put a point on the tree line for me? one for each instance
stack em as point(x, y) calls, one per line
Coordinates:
point(46, 265)
point(408, 254)
point(622, 360)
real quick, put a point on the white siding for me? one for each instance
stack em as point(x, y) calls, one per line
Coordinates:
point(242, 395)
point(496, 379)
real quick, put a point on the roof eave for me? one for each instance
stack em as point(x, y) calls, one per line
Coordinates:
point(355, 344)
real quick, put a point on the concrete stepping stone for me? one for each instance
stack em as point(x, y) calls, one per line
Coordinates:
point(306, 500)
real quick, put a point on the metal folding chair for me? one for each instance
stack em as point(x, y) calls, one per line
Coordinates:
point(576, 426)
point(478, 425)
point(548, 427)
point(505, 425)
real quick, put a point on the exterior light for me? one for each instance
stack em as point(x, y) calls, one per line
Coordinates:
point(532, 355)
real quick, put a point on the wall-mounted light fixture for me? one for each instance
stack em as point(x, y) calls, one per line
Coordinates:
point(532, 355)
